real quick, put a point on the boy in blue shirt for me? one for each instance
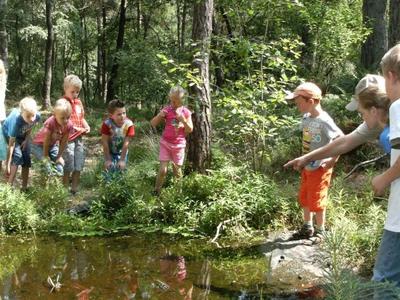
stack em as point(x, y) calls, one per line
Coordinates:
point(17, 129)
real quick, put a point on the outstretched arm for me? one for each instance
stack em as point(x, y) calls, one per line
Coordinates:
point(339, 146)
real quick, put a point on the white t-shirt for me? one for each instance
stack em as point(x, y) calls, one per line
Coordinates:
point(393, 216)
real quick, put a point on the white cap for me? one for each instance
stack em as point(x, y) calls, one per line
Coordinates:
point(368, 80)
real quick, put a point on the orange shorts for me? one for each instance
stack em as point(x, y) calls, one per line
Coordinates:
point(314, 186)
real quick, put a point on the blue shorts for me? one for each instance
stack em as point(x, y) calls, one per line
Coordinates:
point(113, 171)
point(387, 264)
point(22, 157)
point(115, 158)
point(37, 152)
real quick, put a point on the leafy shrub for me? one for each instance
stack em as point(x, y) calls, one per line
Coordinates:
point(50, 198)
point(251, 111)
point(359, 218)
point(17, 211)
point(342, 252)
point(233, 196)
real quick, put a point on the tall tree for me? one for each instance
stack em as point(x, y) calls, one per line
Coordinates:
point(199, 152)
point(120, 43)
point(376, 44)
point(48, 55)
point(394, 23)
point(3, 32)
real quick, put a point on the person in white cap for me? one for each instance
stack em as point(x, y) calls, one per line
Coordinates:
point(369, 87)
point(318, 130)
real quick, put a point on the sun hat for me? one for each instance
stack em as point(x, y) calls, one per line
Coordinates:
point(307, 90)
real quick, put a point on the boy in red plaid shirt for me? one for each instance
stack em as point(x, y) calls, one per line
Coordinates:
point(74, 154)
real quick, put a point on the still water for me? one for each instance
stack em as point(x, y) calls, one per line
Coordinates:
point(131, 267)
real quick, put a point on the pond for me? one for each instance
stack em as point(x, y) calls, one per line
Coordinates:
point(133, 266)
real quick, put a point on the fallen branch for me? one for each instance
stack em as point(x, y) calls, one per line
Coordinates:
point(220, 225)
point(364, 163)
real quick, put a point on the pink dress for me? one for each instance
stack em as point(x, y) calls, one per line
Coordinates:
point(173, 140)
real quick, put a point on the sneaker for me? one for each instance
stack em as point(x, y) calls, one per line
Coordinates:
point(305, 232)
point(319, 236)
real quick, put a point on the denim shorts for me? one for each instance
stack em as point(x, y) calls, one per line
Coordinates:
point(113, 171)
point(74, 155)
point(37, 152)
point(22, 157)
point(387, 264)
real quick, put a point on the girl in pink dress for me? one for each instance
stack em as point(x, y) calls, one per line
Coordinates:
point(178, 123)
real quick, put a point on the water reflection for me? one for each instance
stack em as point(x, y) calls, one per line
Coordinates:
point(125, 267)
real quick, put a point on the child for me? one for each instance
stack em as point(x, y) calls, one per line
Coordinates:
point(387, 265)
point(318, 130)
point(116, 134)
point(3, 86)
point(17, 129)
point(51, 140)
point(178, 123)
point(372, 89)
point(74, 154)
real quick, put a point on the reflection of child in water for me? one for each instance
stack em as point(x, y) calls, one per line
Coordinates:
point(173, 272)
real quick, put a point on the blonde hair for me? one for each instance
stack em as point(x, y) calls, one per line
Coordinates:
point(374, 97)
point(63, 106)
point(391, 61)
point(28, 104)
point(72, 80)
point(177, 90)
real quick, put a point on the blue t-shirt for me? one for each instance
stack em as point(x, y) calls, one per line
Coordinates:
point(384, 140)
point(15, 126)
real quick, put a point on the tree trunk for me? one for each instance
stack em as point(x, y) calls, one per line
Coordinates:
point(178, 22)
point(199, 150)
point(86, 57)
point(394, 23)
point(376, 44)
point(3, 33)
point(138, 17)
point(219, 73)
point(120, 43)
point(98, 90)
point(82, 46)
point(183, 26)
point(20, 52)
point(226, 20)
point(48, 55)
point(103, 55)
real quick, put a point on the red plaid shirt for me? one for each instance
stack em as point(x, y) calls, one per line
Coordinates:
point(77, 117)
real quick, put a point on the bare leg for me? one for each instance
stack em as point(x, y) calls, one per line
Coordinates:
point(320, 218)
point(177, 171)
point(307, 214)
point(66, 179)
point(25, 177)
point(162, 172)
point(13, 173)
point(75, 181)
